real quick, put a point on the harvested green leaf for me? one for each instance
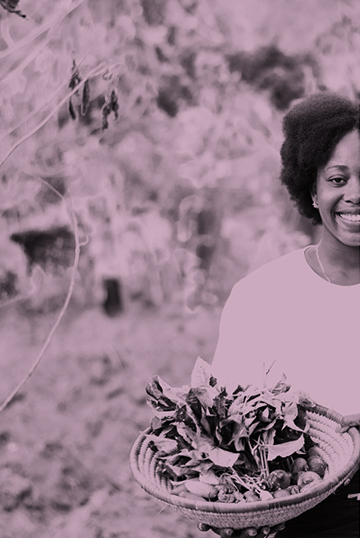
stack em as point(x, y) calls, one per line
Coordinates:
point(285, 449)
point(223, 458)
point(233, 441)
point(166, 446)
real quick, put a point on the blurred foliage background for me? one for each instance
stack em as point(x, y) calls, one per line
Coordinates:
point(149, 132)
point(158, 123)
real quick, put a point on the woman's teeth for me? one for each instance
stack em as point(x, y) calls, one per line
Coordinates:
point(350, 217)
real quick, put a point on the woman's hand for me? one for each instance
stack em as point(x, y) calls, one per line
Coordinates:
point(251, 532)
point(348, 421)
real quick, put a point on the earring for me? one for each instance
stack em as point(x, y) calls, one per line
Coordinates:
point(315, 204)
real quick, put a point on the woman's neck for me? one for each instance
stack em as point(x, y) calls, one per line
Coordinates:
point(341, 263)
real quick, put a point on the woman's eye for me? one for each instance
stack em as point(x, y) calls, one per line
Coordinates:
point(338, 180)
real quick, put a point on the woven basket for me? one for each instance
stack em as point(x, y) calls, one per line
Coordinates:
point(340, 451)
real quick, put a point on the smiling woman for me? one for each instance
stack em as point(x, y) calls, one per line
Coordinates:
point(336, 194)
point(299, 315)
point(321, 169)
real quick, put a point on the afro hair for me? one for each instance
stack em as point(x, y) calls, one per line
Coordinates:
point(312, 129)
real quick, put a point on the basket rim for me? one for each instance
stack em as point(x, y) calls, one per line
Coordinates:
point(330, 483)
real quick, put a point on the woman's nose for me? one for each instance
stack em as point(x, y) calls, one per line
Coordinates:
point(353, 190)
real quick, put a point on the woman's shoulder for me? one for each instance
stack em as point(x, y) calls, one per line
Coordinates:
point(283, 271)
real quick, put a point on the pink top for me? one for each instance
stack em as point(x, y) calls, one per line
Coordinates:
point(285, 317)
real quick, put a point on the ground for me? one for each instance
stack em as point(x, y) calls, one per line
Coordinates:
point(65, 440)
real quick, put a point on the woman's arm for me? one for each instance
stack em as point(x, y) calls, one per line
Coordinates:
point(240, 347)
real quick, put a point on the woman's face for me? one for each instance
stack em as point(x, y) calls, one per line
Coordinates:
point(338, 192)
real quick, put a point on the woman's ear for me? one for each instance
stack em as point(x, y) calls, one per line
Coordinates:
point(314, 195)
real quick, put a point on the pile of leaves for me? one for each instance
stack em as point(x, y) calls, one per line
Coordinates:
point(238, 439)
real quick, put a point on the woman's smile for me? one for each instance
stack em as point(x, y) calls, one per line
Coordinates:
point(350, 217)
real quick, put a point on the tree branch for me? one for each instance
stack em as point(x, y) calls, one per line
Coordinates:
point(13, 71)
point(38, 32)
point(93, 73)
point(34, 112)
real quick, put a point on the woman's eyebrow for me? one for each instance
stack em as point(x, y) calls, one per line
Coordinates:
point(341, 166)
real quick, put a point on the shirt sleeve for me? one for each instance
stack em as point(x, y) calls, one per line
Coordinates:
point(240, 347)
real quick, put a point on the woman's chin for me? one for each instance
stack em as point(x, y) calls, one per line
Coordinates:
point(347, 232)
